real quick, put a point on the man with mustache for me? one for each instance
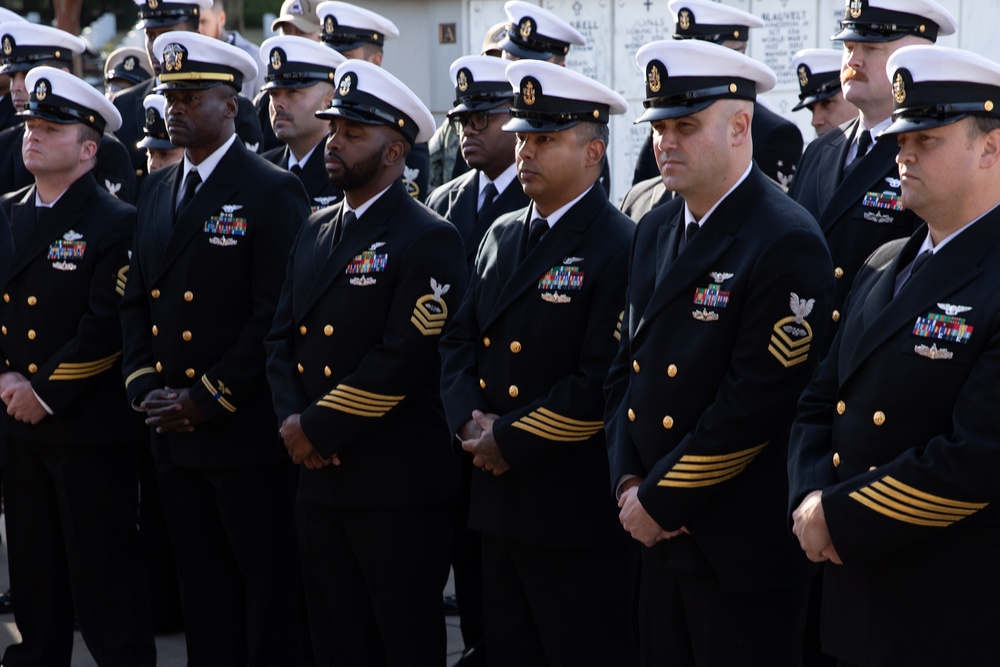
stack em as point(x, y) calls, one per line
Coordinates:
point(207, 265)
point(299, 83)
point(353, 363)
point(846, 180)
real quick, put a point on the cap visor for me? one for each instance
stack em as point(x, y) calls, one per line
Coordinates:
point(155, 144)
point(813, 99)
point(143, 24)
point(508, 45)
point(536, 126)
point(344, 112)
point(901, 125)
point(854, 35)
point(290, 83)
point(470, 106)
point(662, 113)
point(187, 85)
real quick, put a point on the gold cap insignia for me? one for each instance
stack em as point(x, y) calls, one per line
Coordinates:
point(41, 90)
point(276, 58)
point(345, 85)
point(526, 28)
point(899, 89)
point(684, 19)
point(528, 93)
point(855, 8)
point(329, 25)
point(173, 57)
point(462, 80)
point(151, 116)
point(129, 63)
point(8, 45)
point(803, 76)
point(654, 79)
point(153, 4)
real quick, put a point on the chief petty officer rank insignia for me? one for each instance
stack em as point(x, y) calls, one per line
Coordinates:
point(431, 312)
point(791, 336)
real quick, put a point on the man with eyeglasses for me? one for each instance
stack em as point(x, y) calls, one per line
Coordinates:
point(472, 202)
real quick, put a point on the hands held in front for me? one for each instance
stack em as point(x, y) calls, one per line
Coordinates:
point(477, 439)
point(809, 525)
point(22, 403)
point(171, 410)
point(637, 521)
point(299, 447)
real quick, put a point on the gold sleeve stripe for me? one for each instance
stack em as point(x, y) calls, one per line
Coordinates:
point(932, 498)
point(552, 426)
point(618, 327)
point(359, 402)
point(699, 458)
point(121, 280)
point(217, 394)
point(896, 500)
point(694, 470)
point(871, 504)
point(83, 370)
point(146, 370)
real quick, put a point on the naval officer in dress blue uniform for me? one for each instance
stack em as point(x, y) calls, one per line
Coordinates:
point(720, 335)
point(524, 365)
point(894, 454)
point(818, 73)
point(355, 373)
point(846, 180)
point(300, 80)
point(70, 473)
point(209, 257)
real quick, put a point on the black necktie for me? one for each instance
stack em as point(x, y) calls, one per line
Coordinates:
point(346, 220)
point(489, 194)
point(917, 264)
point(191, 183)
point(689, 231)
point(536, 230)
point(296, 169)
point(864, 142)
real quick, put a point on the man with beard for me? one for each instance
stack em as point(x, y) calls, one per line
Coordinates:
point(359, 33)
point(24, 46)
point(157, 17)
point(846, 180)
point(472, 202)
point(206, 270)
point(355, 374)
point(299, 82)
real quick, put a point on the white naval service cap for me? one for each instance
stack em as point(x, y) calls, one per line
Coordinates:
point(24, 45)
point(711, 21)
point(368, 94)
point(128, 62)
point(61, 97)
point(298, 62)
point(551, 98)
point(536, 33)
point(480, 83)
point(154, 130)
point(818, 71)
point(347, 26)
point(7, 15)
point(934, 86)
point(162, 14)
point(889, 20)
point(684, 77)
point(192, 61)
